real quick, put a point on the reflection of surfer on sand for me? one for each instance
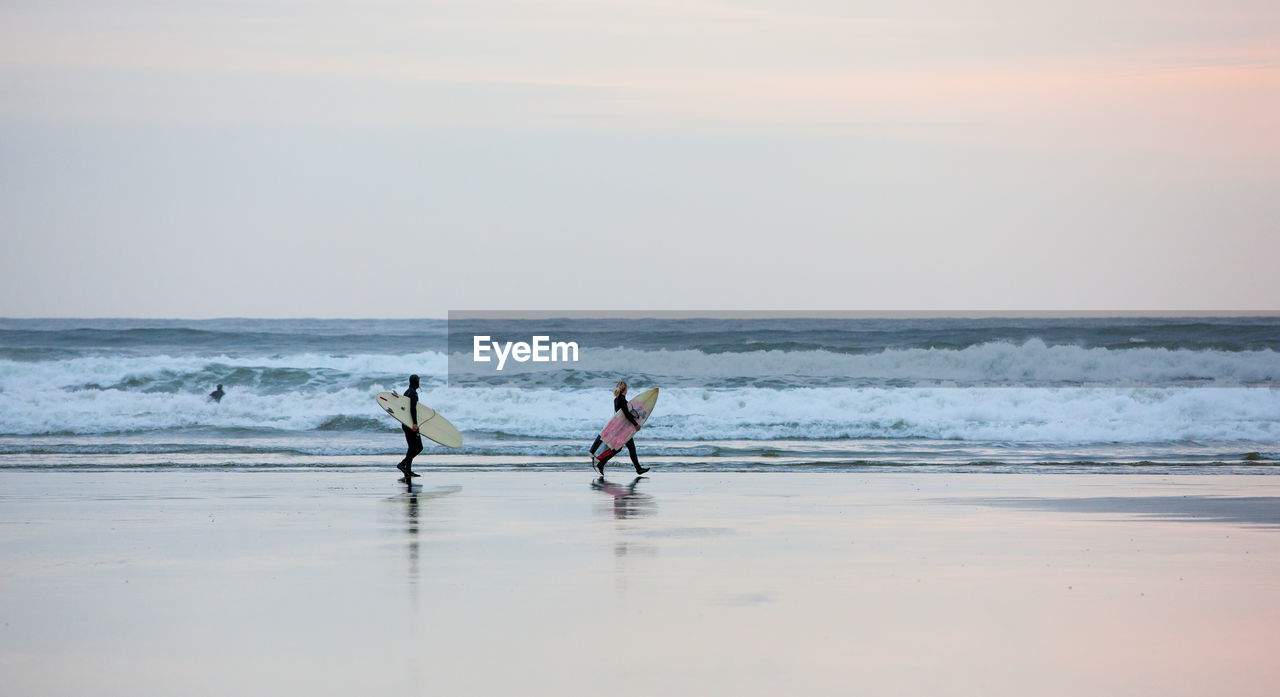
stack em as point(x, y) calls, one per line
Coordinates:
point(418, 508)
point(620, 405)
point(627, 502)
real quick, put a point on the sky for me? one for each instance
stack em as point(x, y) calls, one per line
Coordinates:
point(283, 158)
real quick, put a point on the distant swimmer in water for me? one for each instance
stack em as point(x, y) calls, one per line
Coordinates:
point(411, 434)
point(620, 404)
point(216, 395)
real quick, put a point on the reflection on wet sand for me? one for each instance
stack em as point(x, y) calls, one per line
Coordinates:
point(627, 502)
point(530, 584)
point(413, 500)
point(411, 532)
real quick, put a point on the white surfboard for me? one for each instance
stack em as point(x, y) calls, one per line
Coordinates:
point(430, 423)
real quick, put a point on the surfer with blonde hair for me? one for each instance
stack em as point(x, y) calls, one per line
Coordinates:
point(620, 404)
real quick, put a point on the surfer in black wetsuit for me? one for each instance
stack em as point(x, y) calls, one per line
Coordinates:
point(620, 404)
point(411, 434)
point(216, 395)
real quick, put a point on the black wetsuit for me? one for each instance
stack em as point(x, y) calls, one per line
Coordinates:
point(620, 403)
point(216, 395)
point(414, 440)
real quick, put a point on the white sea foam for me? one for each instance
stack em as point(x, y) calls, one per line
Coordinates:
point(996, 363)
point(306, 392)
point(988, 414)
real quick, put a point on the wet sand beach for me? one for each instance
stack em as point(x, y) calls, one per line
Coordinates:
point(182, 582)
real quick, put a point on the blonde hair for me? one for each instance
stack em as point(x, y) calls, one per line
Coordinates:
point(620, 388)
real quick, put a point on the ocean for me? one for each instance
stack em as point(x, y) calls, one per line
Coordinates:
point(1119, 394)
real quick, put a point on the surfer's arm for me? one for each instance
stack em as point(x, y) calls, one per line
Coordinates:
point(413, 411)
point(626, 410)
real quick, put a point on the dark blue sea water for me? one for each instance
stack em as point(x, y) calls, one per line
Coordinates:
point(996, 394)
